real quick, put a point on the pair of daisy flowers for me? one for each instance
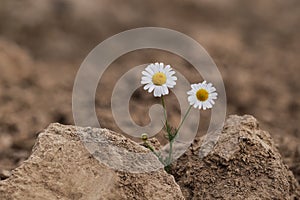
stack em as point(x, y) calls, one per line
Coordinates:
point(158, 78)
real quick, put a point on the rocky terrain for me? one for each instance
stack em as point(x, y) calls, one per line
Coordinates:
point(255, 45)
point(69, 162)
point(244, 164)
point(60, 167)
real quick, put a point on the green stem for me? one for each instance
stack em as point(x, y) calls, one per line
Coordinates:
point(171, 138)
point(171, 142)
point(170, 152)
point(165, 110)
point(166, 124)
point(186, 114)
point(154, 152)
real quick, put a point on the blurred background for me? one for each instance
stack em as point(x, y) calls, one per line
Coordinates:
point(255, 44)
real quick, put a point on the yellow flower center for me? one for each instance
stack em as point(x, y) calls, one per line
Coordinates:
point(159, 78)
point(202, 95)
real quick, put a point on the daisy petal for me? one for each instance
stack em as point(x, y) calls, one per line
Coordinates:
point(206, 96)
point(157, 92)
point(152, 87)
point(159, 83)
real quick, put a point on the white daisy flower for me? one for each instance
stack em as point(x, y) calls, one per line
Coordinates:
point(202, 95)
point(158, 78)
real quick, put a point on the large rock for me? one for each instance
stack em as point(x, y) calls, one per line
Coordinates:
point(244, 164)
point(61, 167)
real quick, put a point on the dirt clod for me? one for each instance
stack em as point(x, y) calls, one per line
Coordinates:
point(244, 164)
point(60, 167)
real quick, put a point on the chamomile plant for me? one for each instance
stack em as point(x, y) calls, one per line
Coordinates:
point(159, 79)
point(202, 95)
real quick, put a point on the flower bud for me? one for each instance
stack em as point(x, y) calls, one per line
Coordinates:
point(144, 137)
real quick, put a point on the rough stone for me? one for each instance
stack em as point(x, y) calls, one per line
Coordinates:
point(244, 164)
point(61, 167)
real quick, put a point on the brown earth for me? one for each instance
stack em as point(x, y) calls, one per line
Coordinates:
point(60, 167)
point(254, 43)
point(71, 162)
point(244, 164)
